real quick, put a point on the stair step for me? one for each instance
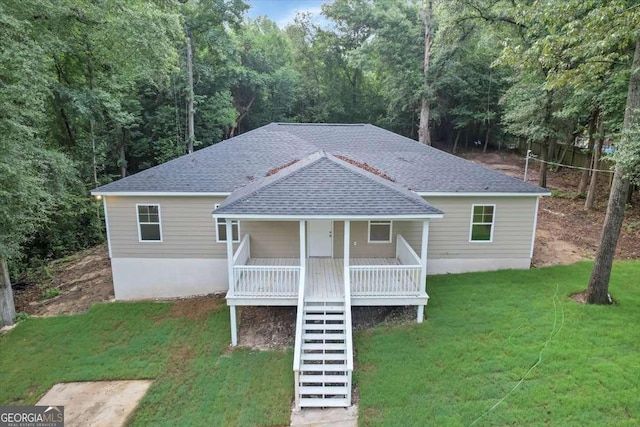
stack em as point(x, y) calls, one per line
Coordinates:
point(324, 390)
point(323, 356)
point(306, 378)
point(323, 346)
point(325, 317)
point(317, 300)
point(323, 367)
point(323, 403)
point(322, 336)
point(324, 308)
point(322, 327)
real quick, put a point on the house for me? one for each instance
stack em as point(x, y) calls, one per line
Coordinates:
point(319, 216)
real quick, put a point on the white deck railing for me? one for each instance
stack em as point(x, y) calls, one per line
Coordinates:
point(388, 280)
point(385, 280)
point(266, 280)
point(262, 280)
point(243, 253)
point(405, 253)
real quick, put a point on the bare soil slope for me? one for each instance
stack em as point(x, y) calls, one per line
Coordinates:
point(79, 280)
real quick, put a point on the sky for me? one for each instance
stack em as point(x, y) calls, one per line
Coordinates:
point(283, 11)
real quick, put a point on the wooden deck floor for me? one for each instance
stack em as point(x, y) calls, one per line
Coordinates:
point(324, 275)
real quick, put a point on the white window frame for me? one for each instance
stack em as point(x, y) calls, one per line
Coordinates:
point(222, 221)
point(379, 222)
point(159, 223)
point(492, 223)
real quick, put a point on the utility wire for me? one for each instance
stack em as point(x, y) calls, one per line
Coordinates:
point(569, 166)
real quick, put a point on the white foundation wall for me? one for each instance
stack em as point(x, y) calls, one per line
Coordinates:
point(445, 266)
point(147, 278)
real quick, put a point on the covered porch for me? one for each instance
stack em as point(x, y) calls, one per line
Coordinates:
point(373, 281)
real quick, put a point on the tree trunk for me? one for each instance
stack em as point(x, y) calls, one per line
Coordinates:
point(123, 155)
point(591, 195)
point(486, 137)
point(598, 289)
point(542, 180)
point(7, 308)
point(423, 128)
point(584, 181)
point(93, 150)
point(190, 109)
point(455, 143)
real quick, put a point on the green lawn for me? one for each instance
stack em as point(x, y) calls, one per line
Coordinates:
point(198, 380)
point(484, 332)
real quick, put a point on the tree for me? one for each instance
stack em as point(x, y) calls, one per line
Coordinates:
point(424, 135)
point(32, 176)
point(627, 169)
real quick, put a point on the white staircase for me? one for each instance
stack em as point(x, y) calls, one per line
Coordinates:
point(325, 364)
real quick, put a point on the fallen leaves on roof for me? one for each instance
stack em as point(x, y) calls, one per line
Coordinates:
point(279, 168)
point(366, 167)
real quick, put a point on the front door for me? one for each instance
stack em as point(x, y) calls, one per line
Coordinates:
point(320, 238)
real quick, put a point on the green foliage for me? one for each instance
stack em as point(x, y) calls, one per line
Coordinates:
point(50, 293)
point(21, 317)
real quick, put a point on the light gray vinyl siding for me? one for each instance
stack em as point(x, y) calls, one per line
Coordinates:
point(273, 239)
point(449, 236)
point(188, 229)
point(359, 246)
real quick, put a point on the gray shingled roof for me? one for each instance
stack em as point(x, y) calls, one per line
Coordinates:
point(231, 164)
point(323, 185)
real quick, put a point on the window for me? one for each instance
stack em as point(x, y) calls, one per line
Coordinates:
point(482, 217)
point(221, 229)
point(379, 231)
point(149, 228)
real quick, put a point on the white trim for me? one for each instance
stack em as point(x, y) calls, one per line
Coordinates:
point(479, 194)
point(424, 245)
point(225, 194)
point(493, 222)
point(106, 226)
point(158, 193)
point(216, 219)
point(159, 223)
point(535, 225)
point(331, 217)
point(379, 222)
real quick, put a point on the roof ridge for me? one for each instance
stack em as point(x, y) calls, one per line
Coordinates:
point(279, 176)
point(392, 185)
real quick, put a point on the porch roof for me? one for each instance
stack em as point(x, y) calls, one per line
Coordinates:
point(322, 185)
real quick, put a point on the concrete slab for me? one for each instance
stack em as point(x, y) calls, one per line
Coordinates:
point(96, 403)
point(334, 417)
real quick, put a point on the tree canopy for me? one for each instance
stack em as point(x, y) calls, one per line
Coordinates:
point(92, 91)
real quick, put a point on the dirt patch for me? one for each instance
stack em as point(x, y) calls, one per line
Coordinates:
point(580, 297)
point(197, 308)
point(77, 282)
point(567, 232)
point(267, 328)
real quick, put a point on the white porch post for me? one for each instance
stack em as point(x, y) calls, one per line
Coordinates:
point(423, 264)
point(347, 247)
point(303, 250)
point(232, 309)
